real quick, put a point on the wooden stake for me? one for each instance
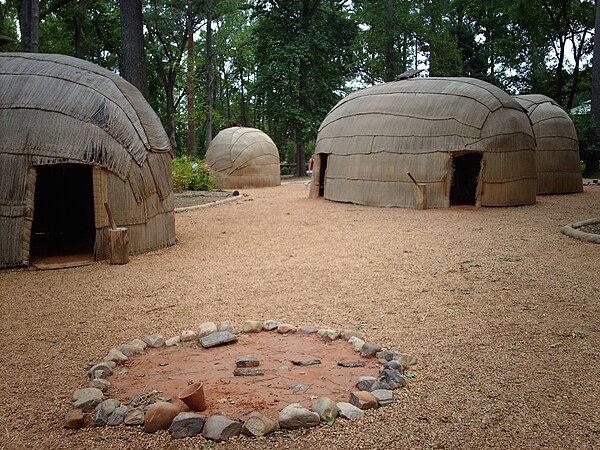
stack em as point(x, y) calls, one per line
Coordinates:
point(113, 225)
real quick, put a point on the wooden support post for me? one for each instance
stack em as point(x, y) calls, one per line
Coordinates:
point(119, 246)
point(421, 193)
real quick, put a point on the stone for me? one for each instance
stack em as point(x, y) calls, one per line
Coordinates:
point(86, 399)
point(103, 411)
point(252, 326)
point(369, 349)
point(258, 424)
point(188, 335)
point(116, 356)
point(363, 400)
point(134, 416)
point(357, 343)
point(394, 365)
point(284, 328)
point(349, 411)
point(225, 325)
point(218, 338)
point(100, 370)
point(351, 363)
point(154, 341)
point(384, 396)
point(347, 334)
point(306, 362)
point(325, 408)
point(389, 379)
point(111, 364)
point(118, 416)
point(74, 419)
point(387, 355)
point(139, 343)
point(206, 328)
point(131, 349)
point(186, 424)
point(159, 416)
point(295, 416)
point(308, 330)
point(173, 341)
point(270, 325)
point(247, 362)
point(366, 385)
point(300, 388)
point(99, 383)
point(329, 335)
point(406, 360)
point(239, 372)
point(220, 428)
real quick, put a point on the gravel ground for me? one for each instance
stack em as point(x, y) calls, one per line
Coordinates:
point(500, 308)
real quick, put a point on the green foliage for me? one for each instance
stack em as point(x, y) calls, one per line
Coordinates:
point(588, 132)
point(190, 175)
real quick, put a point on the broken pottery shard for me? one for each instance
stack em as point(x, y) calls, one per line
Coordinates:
point(351, 364)
point(247, 362)
point(363, 400)
point(248, 372)
point(306, 362)
point(218, 338)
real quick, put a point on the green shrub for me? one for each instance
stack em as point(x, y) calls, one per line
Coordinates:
point(588, 132)
point(191, 175)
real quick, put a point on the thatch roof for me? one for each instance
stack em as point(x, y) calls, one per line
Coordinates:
point(244, 157)
point(375, 135)
point(55, 109)
point(557, 145)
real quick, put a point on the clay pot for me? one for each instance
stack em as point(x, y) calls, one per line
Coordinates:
point(193, 396)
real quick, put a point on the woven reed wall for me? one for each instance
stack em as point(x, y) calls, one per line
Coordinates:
point(56, 109)
point(242, 157)
point(557, 152)
point(375, 135)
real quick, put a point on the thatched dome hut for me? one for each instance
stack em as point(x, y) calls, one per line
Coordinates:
point(75, 136)
point(557, 151)
point(243, 157)
point(464, 140)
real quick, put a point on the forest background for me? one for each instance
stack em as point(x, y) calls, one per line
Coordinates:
point(281, 65)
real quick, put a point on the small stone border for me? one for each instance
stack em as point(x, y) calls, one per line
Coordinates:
point(572, 231)
point(153, 412)
point(234, 198)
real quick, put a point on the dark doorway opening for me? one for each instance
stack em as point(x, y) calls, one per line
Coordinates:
point(63, 229)
point(464, 180)
point(322, 169)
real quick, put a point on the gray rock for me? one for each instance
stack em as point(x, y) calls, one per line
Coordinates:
point(363, 400)
point(357, 343)
point(131, 349)
point(239, 372)
point(154, 341)
point(389, 379)
point(258, 424)
point(220, 428)
point(134, 416)
point(329, 335)
point(186, 424)
point(247, 362)
point(308, 330)
point(347, 334)
point(325, 408)
point(349, 411)
point(206, 328)
point(139, 343)
point(366, 385)
point(100, 370)
point(351, 363)
point(252, 326)
point(188, 335)
point(217, 338)
point(384, 396)
point(284, 328)
point(369, 349)
point(270, 325)
point(86, 399)
point(173, 341)
point(387, 355)
point(74, 419)
point(406, 360)
point(108, 406)
point(118, 416)
point(394, 365)
point(225, 325)
point(99, 383)
point(116, 356)
point(100, 417)
point(295, 416)
point(300, 388)
point(306, 362)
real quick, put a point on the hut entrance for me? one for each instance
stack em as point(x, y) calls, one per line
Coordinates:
point(466, 170)
point(322, 168)
point(63, 229)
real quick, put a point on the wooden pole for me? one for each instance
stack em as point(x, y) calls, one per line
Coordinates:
point(421, 193)
point(119, 240)
point(113, 225)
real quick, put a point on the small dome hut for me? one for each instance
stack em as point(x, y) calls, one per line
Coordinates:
point(557, 151)
point(463, 140)
point(75, 136)
point(243, 157)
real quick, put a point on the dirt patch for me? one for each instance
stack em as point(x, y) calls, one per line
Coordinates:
point(169, 370)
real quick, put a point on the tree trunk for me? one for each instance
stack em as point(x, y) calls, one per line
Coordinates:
point(29, 24)
point(191, 87)
point(209, 74)
point(596, 67)
point(243, 119)
point(35, 26)
point(132, 37)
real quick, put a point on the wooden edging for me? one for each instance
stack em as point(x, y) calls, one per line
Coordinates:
point(572, 231)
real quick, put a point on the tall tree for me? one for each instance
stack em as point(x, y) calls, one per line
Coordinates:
point(134, 55)
point(596, 67)
point(29, 24)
